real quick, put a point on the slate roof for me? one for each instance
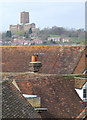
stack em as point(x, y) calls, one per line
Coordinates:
point(55, 60)
point(14, 104)
point(57, 95)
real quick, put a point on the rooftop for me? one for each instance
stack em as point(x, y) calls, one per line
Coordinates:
point(54, 83)
point(14, 105)
point(56, 93)
point(56, 59)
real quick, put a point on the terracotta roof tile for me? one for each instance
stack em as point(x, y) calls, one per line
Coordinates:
point(56, 59)
point(14, 104)
point(57, 94)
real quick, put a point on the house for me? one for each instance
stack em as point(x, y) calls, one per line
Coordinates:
point(59, 39)
point(66, 40)
point(37, 41)
point(19, 41)
point(55, 39)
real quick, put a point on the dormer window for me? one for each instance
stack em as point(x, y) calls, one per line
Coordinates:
point(83, 92)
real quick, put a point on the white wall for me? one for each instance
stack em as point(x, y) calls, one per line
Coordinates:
point(80, 91)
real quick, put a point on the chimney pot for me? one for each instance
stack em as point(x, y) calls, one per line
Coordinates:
point(33, 58)
point(34, 65)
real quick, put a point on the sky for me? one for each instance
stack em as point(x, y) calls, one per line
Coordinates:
point(44, 14)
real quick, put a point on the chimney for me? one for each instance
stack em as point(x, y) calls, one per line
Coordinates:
point(34, 65)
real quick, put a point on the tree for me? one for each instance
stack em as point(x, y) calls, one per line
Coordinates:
point(26, 36)
point(3, 35)
point(8, 34)
point(30, 31)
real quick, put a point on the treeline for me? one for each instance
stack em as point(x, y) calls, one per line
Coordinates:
point(6, 35)
point(62, 32)
point(46, 32)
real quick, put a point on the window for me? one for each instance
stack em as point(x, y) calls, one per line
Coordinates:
point(86, 55)
point(84, 93)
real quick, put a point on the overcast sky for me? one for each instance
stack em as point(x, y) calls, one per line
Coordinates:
point(45, 14)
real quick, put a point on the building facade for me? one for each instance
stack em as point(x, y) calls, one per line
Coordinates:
point(15, 28)
point(27, 26)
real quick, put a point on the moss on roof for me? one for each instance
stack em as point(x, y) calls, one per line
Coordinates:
point(56, 59)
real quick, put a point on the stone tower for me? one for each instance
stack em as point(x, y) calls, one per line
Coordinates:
point(24, 17)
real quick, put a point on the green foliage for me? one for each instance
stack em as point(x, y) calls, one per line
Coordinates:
point(30, 31)
point(51, 35)
point(44, 43)
point(7, 39)
point(26, 36)
point(8, 34)
point(52, 42)
point(31, 39)
point(77, 36)
point(33, 43)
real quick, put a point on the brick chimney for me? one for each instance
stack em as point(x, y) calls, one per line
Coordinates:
point(34, 65)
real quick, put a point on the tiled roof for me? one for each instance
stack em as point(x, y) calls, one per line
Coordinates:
point(56, 59)
point(82, 63)
point(14, 104)
point(57, 95)
point(83, 114)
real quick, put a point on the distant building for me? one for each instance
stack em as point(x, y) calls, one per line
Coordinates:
point(24, 24)
point(24, 17)
point(59, 39)
point(37, 41)
point(27, 26)
point(66, 40)
point(15, 28)
point(55, 39)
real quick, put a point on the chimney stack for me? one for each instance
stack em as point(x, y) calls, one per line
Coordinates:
point(34, 65)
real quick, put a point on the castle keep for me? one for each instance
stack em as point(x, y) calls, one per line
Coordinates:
point(24, 24)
